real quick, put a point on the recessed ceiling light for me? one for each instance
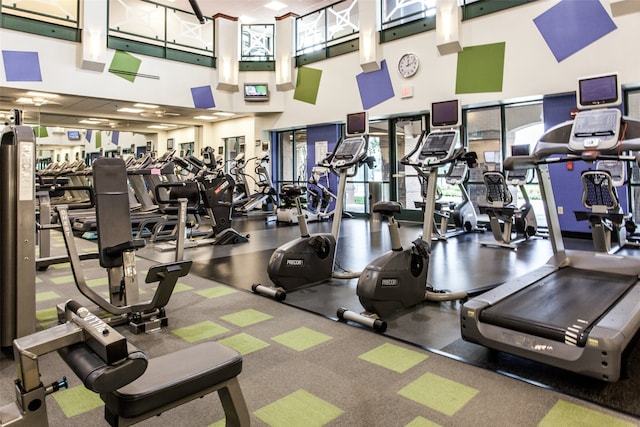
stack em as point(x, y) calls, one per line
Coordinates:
point(129, 110)
point(158, 127)
point(205, 117)
point(24, 100)
point(90, 122)
point(275, 5)
point(139, 105)
point(224, 114)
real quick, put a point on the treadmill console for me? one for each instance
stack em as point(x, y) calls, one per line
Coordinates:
point(438, 146)
point(595, 130)
point(349, 152)
point(458, 173)
point(517, 176)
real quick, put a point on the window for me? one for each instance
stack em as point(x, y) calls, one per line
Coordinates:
point(257, 43)
point(408, 184)
point(358, 187)
point(320, 34)
point(152, 29)
point(398, 12)
point(292, 161)
point(633, 110)
point(484, 137)
point(524, 126)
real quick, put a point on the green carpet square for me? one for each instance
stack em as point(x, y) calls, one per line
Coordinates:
point(46, 296)
point(570, 415)
point(38, 280)
point(246, 317)
point(200, 331)
point(63, 279)
point(300, 408)
point(220, 423)
point(301, 339)
point(77, 400)
point(216, 291)
point(181, 287)
point(47, 316)
point(100, 281)
point(244, 343)
point(438, 393)
point(393, 357)
point(61, 266)
point(422, 422)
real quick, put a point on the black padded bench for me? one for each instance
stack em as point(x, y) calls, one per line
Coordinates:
point(177, 378)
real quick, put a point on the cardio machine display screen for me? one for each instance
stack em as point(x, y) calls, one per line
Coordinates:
point(349, 148)
point(598, 91)
point(438, 144)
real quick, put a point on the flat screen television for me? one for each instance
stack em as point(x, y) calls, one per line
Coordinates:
point(256, 92)
point(73, 135)
point(445, 114)
point(357, 123)
point(598, 91)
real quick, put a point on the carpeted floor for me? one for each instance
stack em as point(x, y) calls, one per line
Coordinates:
point(303, 369)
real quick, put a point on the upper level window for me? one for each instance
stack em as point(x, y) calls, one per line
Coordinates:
point(257, 43)
point(327, 26)
point(154, 24)
point(398, 12)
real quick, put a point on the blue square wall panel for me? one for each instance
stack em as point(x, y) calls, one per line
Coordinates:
point(571, 25)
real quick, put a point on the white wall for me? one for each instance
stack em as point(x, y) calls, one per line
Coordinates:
point(530, 70)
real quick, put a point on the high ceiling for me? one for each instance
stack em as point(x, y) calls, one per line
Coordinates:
point(66, 111)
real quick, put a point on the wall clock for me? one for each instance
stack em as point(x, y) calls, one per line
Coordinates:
point(408, 65)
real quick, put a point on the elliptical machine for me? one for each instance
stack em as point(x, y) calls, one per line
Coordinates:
point(310, 258)
point(398, 279)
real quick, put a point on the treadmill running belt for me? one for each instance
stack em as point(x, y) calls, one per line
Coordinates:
point(563, 306)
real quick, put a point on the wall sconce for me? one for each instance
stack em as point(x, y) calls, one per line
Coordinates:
point(448, 27)
point(228, 74)
point(94, 50)
point(284, 73)
point(369, 51)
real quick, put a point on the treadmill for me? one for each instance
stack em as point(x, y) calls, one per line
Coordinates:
point(581, 309)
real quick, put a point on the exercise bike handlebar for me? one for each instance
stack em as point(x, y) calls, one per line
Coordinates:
point(406, 159)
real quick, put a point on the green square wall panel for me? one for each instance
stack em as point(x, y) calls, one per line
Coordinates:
point(480, 68)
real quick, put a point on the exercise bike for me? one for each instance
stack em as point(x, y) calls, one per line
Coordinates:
point(398, 279)
point(310, 258)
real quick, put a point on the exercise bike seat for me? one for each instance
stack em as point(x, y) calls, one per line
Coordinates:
point(388, 208)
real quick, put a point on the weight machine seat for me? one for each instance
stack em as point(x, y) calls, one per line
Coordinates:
point(179, 377)
point(387, 208)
